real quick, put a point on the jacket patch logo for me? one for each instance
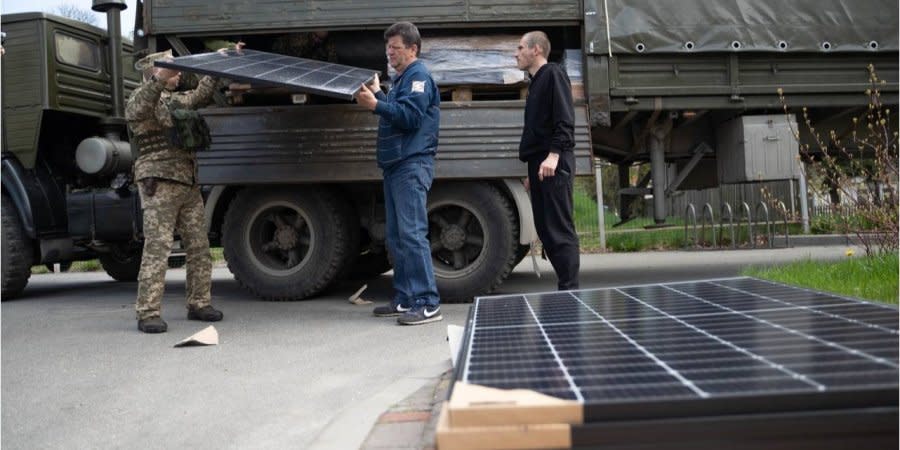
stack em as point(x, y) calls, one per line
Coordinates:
point(418, 86)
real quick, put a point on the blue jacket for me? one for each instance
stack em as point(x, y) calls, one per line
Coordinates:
point(410, 116)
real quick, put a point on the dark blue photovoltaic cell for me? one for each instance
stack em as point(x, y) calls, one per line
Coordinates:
point(732, 338)
point(305, 75)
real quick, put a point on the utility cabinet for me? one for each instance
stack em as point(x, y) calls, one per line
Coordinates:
point(757, 148)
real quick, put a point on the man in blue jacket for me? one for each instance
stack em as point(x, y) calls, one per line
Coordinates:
point(407, 141)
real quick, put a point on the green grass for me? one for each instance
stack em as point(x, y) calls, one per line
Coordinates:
point(871, 278)
point(86, 266)
point(585, 215)
point(584, 212)
point(93, 265)
point(667, 239)
point(830, 223)
point(218, 257)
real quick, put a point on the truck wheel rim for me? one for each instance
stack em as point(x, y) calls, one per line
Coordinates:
point(458, 239)
point(280, 239)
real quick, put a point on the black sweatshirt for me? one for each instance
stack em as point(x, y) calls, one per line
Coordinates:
point(549, 114)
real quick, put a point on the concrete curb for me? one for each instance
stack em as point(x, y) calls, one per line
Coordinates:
point(351, 428)
point(411, 423)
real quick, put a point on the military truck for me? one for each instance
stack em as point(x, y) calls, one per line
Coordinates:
point(293, 193)
point(689, 87)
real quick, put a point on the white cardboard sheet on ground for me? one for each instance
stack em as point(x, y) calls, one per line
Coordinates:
point(206, 336)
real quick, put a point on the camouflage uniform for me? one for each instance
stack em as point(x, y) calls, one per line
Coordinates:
point(306, 45)
point(170, 195)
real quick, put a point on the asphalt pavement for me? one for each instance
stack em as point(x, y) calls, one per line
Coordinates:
point(76, 372)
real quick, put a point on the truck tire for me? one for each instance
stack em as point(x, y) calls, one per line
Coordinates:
point(350, 217)
point(122, 264)
point(286, 243)
point(474, 238)
point(17, 255)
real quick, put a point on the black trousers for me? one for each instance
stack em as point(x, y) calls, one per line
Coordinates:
point(551, 203)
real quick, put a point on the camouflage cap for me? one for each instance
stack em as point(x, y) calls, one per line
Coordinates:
point(147, 61)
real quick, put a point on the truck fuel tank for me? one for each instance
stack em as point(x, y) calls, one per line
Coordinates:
point(104, 214)
point(103, 156)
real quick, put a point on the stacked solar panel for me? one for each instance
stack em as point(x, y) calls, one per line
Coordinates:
point(738, 362)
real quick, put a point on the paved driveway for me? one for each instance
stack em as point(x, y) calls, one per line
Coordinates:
point(76, 373)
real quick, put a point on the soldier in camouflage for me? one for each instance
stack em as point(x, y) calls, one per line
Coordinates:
point(166, 176)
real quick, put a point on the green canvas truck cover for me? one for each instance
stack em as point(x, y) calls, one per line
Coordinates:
point(666, 26)
point(203, 16)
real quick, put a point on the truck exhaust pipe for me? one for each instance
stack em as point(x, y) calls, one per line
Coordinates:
point(109, 154)
point(112, 8)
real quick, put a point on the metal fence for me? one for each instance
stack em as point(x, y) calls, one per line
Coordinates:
point(641, 232)
point(770, 192)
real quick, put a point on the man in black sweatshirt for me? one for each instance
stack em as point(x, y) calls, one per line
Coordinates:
point(547, 146)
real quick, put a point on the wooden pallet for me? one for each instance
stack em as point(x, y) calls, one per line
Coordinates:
point(510, 92)
point(468, 93)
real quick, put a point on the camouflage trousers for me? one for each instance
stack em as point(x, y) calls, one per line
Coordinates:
point(169, 206)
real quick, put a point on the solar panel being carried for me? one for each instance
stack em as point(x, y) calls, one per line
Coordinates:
point(755, 359)
point(306, 75)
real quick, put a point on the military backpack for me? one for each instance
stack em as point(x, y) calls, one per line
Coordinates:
point(189, 130)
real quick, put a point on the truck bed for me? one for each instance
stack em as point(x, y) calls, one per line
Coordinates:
point(336, 143)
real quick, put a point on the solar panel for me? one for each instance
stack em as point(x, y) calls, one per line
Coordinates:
point(710, 350)
point(306, 75)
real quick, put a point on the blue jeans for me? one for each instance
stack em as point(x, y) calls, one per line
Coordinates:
point(406, 186)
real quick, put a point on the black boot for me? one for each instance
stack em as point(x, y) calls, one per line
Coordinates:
point(206, 314)
point(153, 325)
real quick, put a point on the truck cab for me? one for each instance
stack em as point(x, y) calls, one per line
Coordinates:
point(66, 159)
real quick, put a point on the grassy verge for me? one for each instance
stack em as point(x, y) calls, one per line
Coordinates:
point(218, 257)
point(871, 278)
point(92, 265)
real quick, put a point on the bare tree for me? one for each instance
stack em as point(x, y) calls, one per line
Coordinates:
point(861, 167)
point(73, 12)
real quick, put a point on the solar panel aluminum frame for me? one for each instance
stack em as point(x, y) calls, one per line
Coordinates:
point(860, 428)
point(847, 400)
point(194, 63)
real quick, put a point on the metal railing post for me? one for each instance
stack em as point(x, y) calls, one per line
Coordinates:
point(787, 231)
point(765, 210)
point(726, 208)
point(745, 209)
point(804, 206)
point(601, 213)
point(690, 215)
point(708, 212)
